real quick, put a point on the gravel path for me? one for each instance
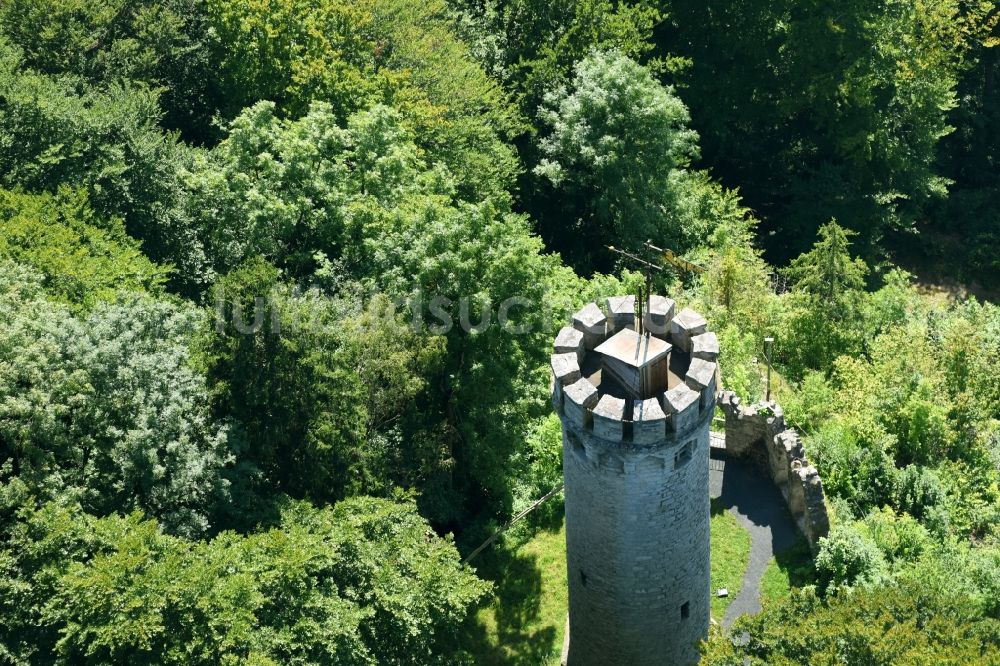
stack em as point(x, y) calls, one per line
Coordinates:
point(760, 508)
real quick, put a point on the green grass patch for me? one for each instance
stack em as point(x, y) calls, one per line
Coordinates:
point(526, 620)
point(730, 556)
point(792, 567)
point(525, 623)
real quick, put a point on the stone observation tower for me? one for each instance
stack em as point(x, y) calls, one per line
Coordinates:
point(635, 404)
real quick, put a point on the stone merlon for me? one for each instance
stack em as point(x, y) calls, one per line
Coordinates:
point(580, 398)
point(566, 368)
point(685, 326)
point(608, 417)
point(621, 311)
point(569, 340)
point(659, 312)
point(649, 422)
point(700, 374)
point(682, 404)
point(592, 323)
point(705, 346)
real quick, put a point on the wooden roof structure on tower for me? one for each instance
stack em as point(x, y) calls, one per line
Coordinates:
point(640, 363)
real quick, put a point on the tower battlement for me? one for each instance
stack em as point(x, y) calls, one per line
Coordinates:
point(586, 397)
point(635, 411)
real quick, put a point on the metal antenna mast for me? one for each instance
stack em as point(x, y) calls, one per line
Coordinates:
point(648, 268)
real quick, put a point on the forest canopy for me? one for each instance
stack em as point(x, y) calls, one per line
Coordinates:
point(278, 283)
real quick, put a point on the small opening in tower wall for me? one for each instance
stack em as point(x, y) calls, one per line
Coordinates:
point(685, 610)
point(683, 456)
point(583, 578)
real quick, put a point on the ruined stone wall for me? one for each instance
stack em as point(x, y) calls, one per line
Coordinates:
point(636, 495)
point(759, 432)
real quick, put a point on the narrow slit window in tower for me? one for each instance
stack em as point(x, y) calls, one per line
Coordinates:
point(685, 610)
point(683, 456)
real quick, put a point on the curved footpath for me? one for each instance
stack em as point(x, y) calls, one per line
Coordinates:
point(760, 509)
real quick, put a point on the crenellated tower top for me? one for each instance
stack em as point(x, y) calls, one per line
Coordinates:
point(632, 389)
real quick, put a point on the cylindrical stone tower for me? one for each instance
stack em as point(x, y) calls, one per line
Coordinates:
point(635, 410)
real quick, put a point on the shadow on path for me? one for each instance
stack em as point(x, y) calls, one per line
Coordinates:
point(761, 510)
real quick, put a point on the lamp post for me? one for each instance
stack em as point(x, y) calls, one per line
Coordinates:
point(767, 358)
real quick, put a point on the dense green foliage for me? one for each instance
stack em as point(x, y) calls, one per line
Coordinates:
point(268, 267)
point(354, 55)
point(363, 583)
point(820, 111)
point(898, 400)
point(907, 625)
point(82, 258)
point(162, 45)
point(55, 131)
point(106, 406)
point(616, 155)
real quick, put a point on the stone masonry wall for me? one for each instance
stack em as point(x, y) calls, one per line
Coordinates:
point(636, 495)
point(759, 432)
